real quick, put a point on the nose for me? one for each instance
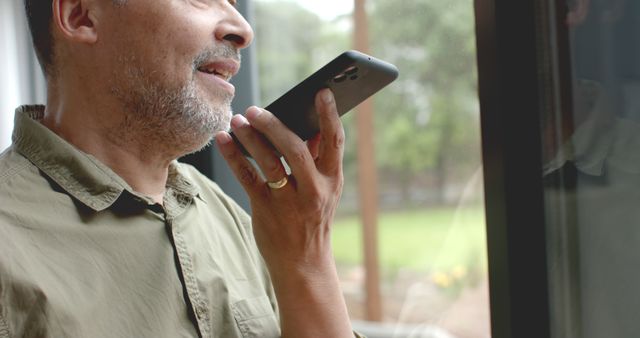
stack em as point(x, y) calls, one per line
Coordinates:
point(235, 29)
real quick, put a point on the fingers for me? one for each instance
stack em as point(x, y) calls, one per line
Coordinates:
point(244, 170)
point(313, 144)
point(293, 149)
point(259, 148)
point(331, 133)
point(260, 129)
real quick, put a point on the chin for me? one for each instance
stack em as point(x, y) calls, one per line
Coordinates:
point(221, 119)
point(194, 144)
point(200, 146)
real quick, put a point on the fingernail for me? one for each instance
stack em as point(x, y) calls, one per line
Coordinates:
point(327, 96)
point(252, 112)
point(239, 121)
point(223, 138)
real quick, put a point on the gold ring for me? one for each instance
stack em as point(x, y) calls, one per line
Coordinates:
point(278, 184)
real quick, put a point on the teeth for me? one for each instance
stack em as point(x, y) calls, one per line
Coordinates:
point(222, 74)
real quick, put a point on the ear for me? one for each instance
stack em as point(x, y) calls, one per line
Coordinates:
point(76, 20)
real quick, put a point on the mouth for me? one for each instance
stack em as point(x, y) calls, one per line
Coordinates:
point(222, 69)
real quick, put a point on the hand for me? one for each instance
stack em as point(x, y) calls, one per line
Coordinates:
point(292, 224)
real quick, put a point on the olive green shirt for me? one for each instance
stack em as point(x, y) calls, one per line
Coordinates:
point(83, 255)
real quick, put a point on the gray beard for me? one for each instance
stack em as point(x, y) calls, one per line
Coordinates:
point(165, 120)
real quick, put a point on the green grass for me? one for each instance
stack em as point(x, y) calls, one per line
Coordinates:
point(431, 240)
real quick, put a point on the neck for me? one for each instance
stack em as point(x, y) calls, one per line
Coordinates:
point(91, 127)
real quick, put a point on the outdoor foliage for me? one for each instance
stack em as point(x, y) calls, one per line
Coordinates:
point(292, 43)
point(426, 123)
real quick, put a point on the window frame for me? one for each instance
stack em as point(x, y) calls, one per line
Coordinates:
point(511, 98)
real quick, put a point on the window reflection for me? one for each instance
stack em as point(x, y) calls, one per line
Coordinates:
point(593, 170)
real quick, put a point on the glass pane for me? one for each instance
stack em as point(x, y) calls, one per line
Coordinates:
point(21, 81)
point(592, 169)
point(430, 219)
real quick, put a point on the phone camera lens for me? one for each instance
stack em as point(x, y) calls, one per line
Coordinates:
point(340, 78)
point(351, 70)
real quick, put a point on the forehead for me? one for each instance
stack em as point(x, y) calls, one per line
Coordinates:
point(202, 4)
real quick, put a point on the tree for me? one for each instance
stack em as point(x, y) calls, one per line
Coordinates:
point(428, 120)
point(292, 43)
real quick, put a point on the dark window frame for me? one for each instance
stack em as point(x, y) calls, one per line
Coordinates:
point(511, 99)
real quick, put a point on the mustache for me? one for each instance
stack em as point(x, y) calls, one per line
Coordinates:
point(219, 52)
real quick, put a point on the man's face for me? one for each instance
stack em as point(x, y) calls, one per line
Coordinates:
point(170, 62)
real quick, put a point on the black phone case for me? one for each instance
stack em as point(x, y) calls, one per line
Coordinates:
point(352, 77)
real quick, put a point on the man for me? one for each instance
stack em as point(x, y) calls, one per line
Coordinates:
point(104, 234)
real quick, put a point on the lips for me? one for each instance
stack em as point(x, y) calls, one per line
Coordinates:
point(223, 69)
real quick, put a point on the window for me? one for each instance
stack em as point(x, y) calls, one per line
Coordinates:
point(429, 207)
point(21, 82)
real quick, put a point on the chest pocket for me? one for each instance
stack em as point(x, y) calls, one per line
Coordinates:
point(255, 318)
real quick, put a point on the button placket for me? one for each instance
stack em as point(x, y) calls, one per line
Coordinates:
point(199, 307)
point(201, 312)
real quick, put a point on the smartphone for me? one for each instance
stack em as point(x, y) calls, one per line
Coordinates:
point(352, 77)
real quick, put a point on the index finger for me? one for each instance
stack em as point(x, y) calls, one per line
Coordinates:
point(294, 150)
point(331, 133)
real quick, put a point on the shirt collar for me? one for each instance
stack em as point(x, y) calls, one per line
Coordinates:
point(80, 174)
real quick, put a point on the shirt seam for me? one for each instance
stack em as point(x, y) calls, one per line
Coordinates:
point(32, 154)
point(12, 171)
point(4, 327)
point(79, 191)
point(243, 320)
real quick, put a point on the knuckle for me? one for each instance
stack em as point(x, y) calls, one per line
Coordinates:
point(334, 139)
point(315, 194)
point(273, 168)
point(231, 155)
point(317, 197)
point(316, 204)
point(298, 155)
point(248, 176)
point(339, 139)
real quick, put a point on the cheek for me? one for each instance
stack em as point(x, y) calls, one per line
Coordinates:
point(173, 54)
point(162, 43)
